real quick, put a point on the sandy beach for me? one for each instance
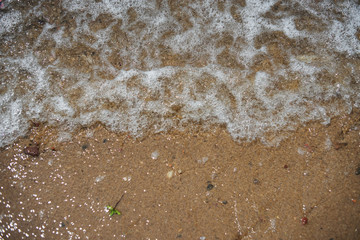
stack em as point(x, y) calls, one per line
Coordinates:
point(197, 184)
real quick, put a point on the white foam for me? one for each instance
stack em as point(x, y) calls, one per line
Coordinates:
point(9, 20)
point(146, 94)
point(13, 124)
point(61, 106)
point(253, 23)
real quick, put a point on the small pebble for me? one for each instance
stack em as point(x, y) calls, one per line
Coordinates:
point(99, 178)
point(256, 181)
point(304, 220)
point(340, 145)
point(203, 160)
point(85, 146)
point(155, 155)
point(209, 187)
point(357, 172)
point(224, 202)
point(301, 151)
point(32, 151)
point(170, 174)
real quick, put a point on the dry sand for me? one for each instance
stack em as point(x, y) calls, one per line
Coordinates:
point(219, 189)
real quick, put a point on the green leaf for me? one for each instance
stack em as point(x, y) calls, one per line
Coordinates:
point(113, 211)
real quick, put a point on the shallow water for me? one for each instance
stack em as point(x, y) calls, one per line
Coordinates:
point(140, 66)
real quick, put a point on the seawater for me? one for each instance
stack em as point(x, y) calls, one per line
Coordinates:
point(138, 66)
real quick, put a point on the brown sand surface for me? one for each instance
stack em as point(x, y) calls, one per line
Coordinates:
point(197, 184)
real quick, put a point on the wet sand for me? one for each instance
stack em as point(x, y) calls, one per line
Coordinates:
point(197, 184)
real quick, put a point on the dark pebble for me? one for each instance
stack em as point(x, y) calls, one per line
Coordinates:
point(85, 146)
point(105, 140)
point(357, 172)
point(209, 187)
point(63, 224)
point(224, 202)
point(304, 220)
point(32, 151)
point(256, 181)
point(41, 21)
point(339, 145)
point(286, 166)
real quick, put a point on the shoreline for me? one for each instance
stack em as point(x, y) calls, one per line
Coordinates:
point(152, 66)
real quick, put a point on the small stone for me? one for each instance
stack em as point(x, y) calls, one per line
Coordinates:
point(224, 202)
point(203, 160)
point(155, 155)
point(357, 172)
point(105, 140)
point(339, 145)
point(209, 187)
point(304, 220)
point(127, 179)
point(256, 181)
point(301, 151)
point(99, 178)
point(32, 151)
point(85, 146)
point(170, 174)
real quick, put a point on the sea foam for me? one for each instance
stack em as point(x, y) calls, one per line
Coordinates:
point(139, 66)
